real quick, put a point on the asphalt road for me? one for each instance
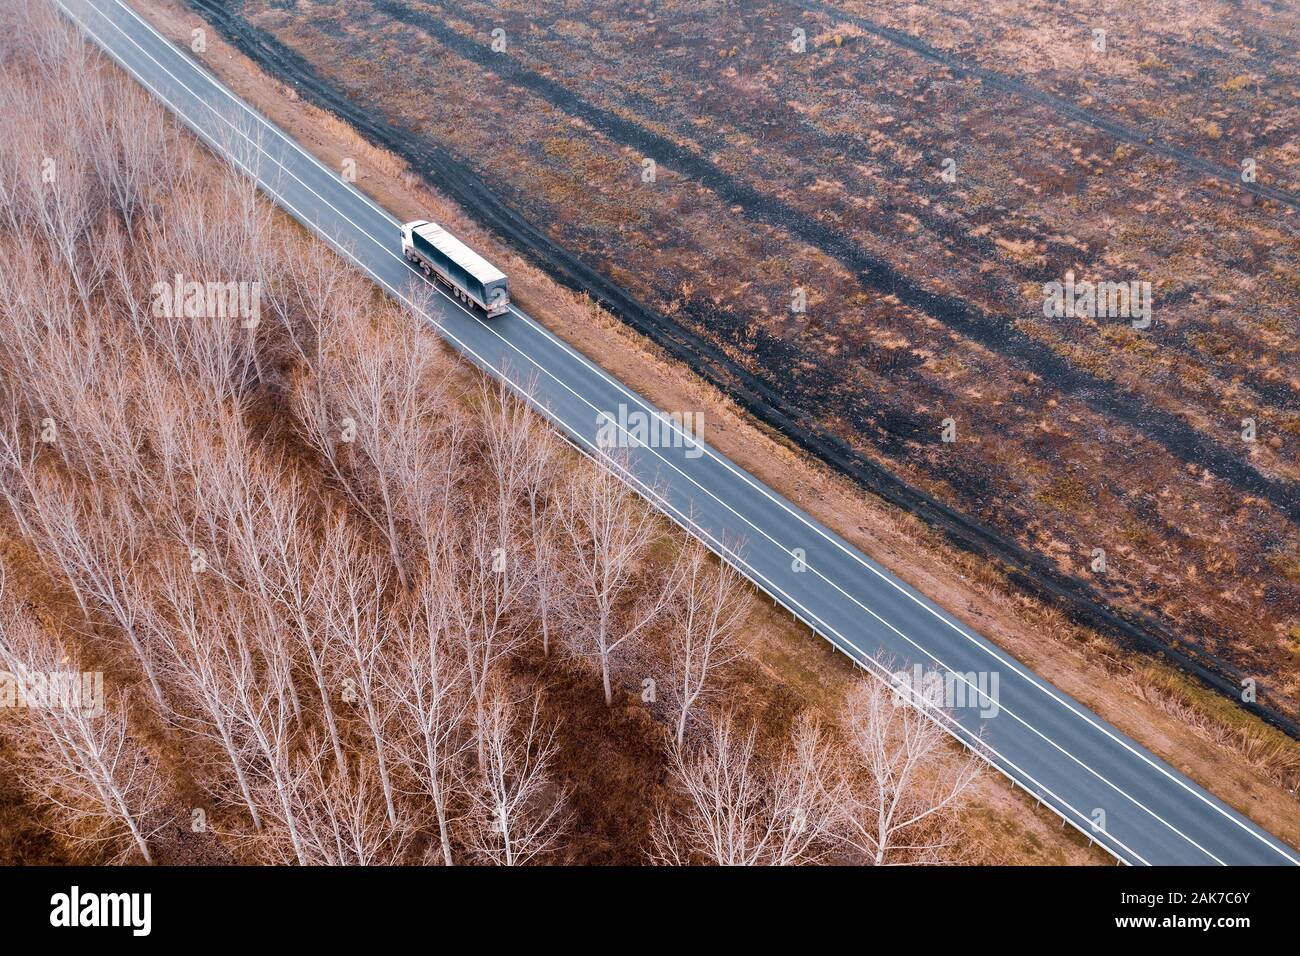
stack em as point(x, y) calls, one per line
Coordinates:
point(1110, 788)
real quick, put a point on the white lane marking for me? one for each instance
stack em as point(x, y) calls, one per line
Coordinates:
point(528, 321)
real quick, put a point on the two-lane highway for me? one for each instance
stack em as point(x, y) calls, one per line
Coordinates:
point(1098, 780)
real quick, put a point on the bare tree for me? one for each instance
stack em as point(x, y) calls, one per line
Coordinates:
point(708, 609)
point(739, 810)
point(518, 451)
point(31, 33)
point(216, 356)
point(176, 439)
point(608, 536)
point(264, 713)
point(69, 372)
point(234, 683)
point(351, 609)
point(342, 818)
point(99, 785)
point(203, 668)
point(434, 505)
point(243, 521)
point(311, 296)
point(130, 144)
point(66, 197)
point(546, 580)
point(488, 583)
point(428, 689)
point(95, 781)
point(300, 579)
point(93, 544)
point(47, 157)
point(538, 478)
point(905, 787)
point(518, 812)
point(371, 410)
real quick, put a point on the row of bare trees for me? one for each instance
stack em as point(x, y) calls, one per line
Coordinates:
point(327, 549)
point(883, 790)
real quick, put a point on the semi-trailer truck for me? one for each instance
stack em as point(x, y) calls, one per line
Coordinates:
point(440, 255)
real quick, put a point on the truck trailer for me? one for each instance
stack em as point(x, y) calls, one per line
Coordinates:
point(440, 255)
